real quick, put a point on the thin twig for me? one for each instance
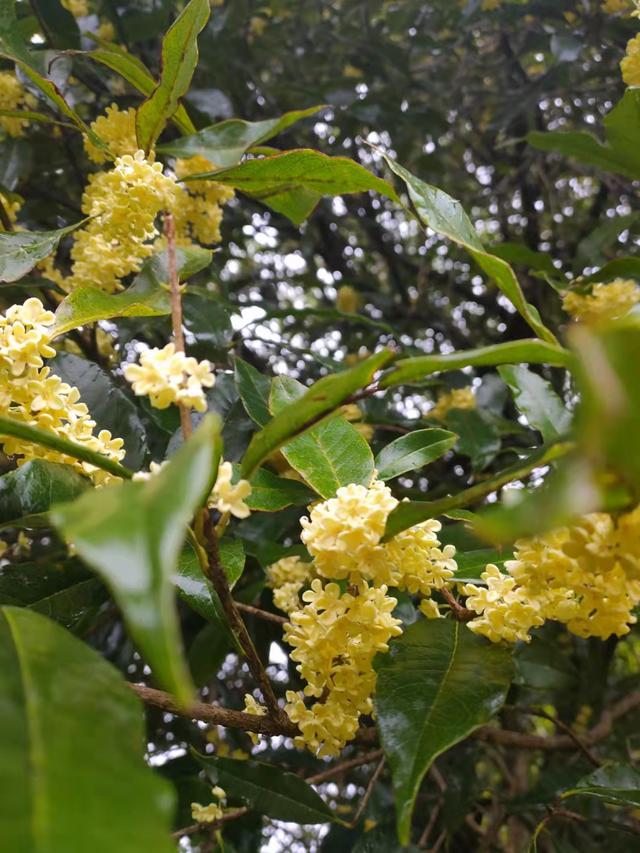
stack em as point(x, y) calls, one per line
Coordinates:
point(261, 614)
point(538, 712)
point(176, 310)
point(462, 614)
point(218, 578)
point(215, 715)
point(367, 794)
point(344, 766)
point(433, 817)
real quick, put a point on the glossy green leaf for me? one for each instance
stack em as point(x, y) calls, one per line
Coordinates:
point(179, 60)
point(132, 534)
point(225, 143)
point(537, 401)
point(592, 249)
point(618, 154)
point(133, 70)
point(438, 683)
point(329, 455)
point(35, 487)
point(471, 564)
point(232, 557)
point(111, 408)
point(614, 783)
point(253, 388)
point(413, 451)
point(60, 791)
point(620, 268)
point(517, 253)
point(320, 399)
point(409, 513)
point(446, 216)
point(146, 297)
point(58, 23)
point(20, 251)
point(270, 493)
point(294, 182)
point(478, 436)
point(268, 789)
point(407, 370)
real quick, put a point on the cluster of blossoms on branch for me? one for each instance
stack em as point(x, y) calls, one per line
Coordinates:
point(168, 376)
point(604, 303)
point(31, 393)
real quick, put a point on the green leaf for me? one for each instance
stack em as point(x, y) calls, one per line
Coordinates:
point(329, 455)
point(478, 436)
point(413, 512)
point(591, 249)
point(20, 251)
point(227, 141)
point(194, 589)
point(445, 216)
point(270, 493)
point(58, 23)
point(618, 154)
point(60, 791)
point(133, 70)
point(322, 398)
point(615, 783)
point(253, 388)
point(110, 407)
point(148, 296)
point(132, 534)
point(471, 564)
point(179, 60)
point(516, 253)
point(33, 488)
point(620, 268)
point(407, 370)
point(294, 182)
point(537, 401)
point(413, 451)
point(438, 683)
point(231, 552)
point(267, 789)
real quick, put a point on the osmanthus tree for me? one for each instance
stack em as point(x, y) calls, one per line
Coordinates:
point(390, 606)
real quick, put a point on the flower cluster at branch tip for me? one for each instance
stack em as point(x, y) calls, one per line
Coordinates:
point(117, 128)
point(334, 633)
point(585, 575)
point(198, 208)
point(227, 496)
point(167, 376)
point(30, 393)
point(13, 96)
point(287, 577)
point(630, 64)
point(252, 706)
point(124, 203)
point(605, 302)
point(458, 398)
point(214, 810)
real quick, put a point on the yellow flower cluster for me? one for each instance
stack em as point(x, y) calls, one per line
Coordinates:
point(118, 129)
point(458, 398)
point(605, 302)
point(586, 575)
point(252, 706)
point(334, 639)
point(198, 211)
point(336, 634)
point(29, 392)
point(347, 299)
point(169, 376)
point(630, 64)
point(227, 496)
point(613, 7)
point(287, 578)
point(13, 96)
point(11, 208)
point(212, 812)
point(123, 204)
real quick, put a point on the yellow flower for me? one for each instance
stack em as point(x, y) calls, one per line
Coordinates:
point(106, 31)
point(613, 7)
point(458, 398)
point(227, 496)
point(251, 706)
point(630, 64)
point(78, 8)
point(123, 203)
point(490, 5)
point(198, 207)
point(287, 577)
point(605, 302)
point(11, 207)
point(168, 377)
point(212, 812)
point(348, 299)
point(13, 96)
point(342, 533)
point(118, 129)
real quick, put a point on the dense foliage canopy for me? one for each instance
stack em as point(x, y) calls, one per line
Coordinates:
point(319, 425)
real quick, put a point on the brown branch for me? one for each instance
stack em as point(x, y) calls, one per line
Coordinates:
point(215, 715)
point(176, 310)
point(538, 712)
point(458, 611)
point(344, 766)
point(261, 614)
point(218, 578)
